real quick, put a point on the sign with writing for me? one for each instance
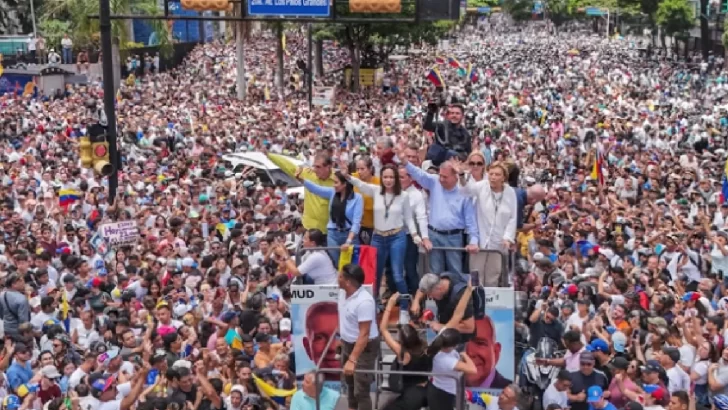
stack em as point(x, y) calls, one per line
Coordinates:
point(594, 11)
point(292, 8)
point(323, 96)
point(120, 233)
point(483, 10)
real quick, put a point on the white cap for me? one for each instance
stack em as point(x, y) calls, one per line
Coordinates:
point(284, 325)
point(188, 262)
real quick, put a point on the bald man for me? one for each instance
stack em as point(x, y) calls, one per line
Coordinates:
point(533, 194)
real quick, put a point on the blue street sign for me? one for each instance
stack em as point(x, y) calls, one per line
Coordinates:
point(291, 8)
point(537, 7)
point(594, 11)
point(483, 10)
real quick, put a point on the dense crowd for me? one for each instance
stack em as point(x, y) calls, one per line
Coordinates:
point(587, 173)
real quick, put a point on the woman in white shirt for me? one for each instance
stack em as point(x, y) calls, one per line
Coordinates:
point(447, 361)
point(719, 253)
point(392, 213)
point(496, 214)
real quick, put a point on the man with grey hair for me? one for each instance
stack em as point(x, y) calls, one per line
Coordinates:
point(509, 398)
point(385, 153)
point(305, 399)
point(447, 289)
point(452, 215)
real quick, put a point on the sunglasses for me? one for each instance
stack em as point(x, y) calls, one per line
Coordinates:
point(476, 164)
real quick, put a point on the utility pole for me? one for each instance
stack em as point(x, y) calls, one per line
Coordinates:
point(109, 95)
point(309, 71)
point(240, 54)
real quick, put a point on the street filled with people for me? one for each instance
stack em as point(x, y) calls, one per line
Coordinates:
point(588, 174)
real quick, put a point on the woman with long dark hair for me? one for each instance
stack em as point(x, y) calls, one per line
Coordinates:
point(345, 212)
point(447, 361)
point(391, 213)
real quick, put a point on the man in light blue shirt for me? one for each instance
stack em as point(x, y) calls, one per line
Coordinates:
point(305, 399)
point(451, 215)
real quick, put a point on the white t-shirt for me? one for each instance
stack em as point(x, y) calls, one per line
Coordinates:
point(86, 336)
point(76, 377)
point(319, 267)
point(687, 355)
point(677, 380)
point(444, 363)
point(553, 396)
point(701, 369)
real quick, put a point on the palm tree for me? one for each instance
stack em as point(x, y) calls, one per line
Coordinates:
point(85, 31)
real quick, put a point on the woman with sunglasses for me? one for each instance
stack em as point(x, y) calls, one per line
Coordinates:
point(496, 208)
point(476, 164)
point(391, 212)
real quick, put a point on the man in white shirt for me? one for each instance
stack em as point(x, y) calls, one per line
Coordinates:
point(556, 393)
point(359, 335)
point(677, 378)
point(419, 209)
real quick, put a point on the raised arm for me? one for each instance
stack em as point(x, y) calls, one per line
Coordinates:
point(364, 188)
point(426, 180)
point(471, 187)
point(318, 190)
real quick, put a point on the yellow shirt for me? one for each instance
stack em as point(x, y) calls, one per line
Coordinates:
point(367, 217)
point(315, 208)
point(263, 359)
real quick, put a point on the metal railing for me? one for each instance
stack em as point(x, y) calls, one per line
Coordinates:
point(503, 278)
point(459, 381)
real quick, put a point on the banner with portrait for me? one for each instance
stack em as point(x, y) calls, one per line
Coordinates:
point(493, 346)
point(315, 319)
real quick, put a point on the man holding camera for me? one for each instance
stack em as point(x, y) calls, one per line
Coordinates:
point(451, 139)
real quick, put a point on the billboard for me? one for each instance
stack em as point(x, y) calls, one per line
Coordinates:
point(493, 346)
point(289, 8)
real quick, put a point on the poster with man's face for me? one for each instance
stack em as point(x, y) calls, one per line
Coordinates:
point(493, 345)
point(315, 319)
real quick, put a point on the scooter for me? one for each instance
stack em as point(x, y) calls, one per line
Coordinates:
point(535, 377)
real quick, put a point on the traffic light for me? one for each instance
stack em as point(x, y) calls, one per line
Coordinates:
point(100, 155)
point(207, 5)
point(375, 6)
point(724, 6)
point(85, 146)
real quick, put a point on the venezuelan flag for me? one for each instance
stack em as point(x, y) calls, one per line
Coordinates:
point(435, 78)
point(598, 175)
point(439, 60)
point(479, 398)
point(67, 197)
point(472, 73)
point(65, 318)
point(454, 62)
point(277, 395)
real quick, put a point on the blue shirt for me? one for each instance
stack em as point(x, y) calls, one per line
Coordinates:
point(522, 199)
point(609, 406)
point(18, 374)
point(327, 399)
point(354, 206)
point(449, 209)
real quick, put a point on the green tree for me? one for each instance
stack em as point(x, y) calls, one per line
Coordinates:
point(85, 31)
point(675, 16)
point(520, 10)
point(53, 30)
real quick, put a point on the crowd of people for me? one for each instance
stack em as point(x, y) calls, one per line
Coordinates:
point(581, 171)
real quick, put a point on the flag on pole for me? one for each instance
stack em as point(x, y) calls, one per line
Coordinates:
point(454, 62)
point(597, 173)
point(272, 392)
point(67, 197)
point(435, 78)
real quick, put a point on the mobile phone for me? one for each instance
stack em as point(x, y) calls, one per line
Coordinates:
point(474, 278)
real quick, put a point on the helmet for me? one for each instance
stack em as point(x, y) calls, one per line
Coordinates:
point(48, 323)
point(12, 402)
point(721, 402)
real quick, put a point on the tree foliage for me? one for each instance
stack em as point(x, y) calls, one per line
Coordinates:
point(85, 31)
point(520, 10)
point(53, 30)
point(675, 16)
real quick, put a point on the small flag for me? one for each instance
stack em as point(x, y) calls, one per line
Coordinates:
point(597, 173)
point(439, 60)
point(472, 73)
point(277, 395)
point(435, 78)
point(67, 197)
point(29, 89)
point(65, 317)
point(365, 256)
point(454, 62)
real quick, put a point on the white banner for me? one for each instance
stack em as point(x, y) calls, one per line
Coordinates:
point(120, 233)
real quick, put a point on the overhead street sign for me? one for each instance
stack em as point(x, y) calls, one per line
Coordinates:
point(289, 8)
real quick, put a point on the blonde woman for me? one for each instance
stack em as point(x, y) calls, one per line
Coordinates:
point(476, 164)
point(496, 211)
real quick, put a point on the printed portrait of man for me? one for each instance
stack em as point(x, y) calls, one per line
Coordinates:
point(322, 319)
point(485, 352)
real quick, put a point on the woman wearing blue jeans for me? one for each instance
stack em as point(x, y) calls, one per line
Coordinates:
point(392, 213)
point(345, 211)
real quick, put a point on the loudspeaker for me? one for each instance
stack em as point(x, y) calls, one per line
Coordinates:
point(433, 10)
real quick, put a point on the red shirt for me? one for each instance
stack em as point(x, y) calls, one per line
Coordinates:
point(47, 395)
